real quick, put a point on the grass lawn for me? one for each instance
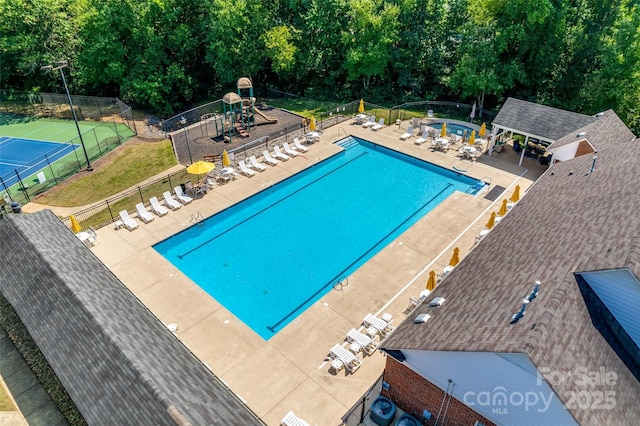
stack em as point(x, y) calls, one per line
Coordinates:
point(6, 404)
point(129, 165)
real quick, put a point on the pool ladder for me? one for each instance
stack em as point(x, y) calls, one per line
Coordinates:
point(342, 282)
point(198, 219)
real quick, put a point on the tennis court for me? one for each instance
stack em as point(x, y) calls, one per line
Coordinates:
point(24, 157)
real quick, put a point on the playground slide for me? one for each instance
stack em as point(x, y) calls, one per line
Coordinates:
point(269, 119)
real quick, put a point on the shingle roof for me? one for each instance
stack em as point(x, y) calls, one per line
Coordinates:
point(540, 121)
point(568, 222)
point(607, 126)
point(118, 362)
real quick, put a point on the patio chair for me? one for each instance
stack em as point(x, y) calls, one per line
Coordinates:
point(351, 361)
point(244, 170)
point(279, 154)
point(366, 342)
point(127, 221)
point(291, 419)
point(422, 139)
point(382, 326)
point(287, 149)
point(182, 197)
point(143, 214)
point(253, 161)
point(170, 201)
point(299, 146)
point(406, 135)
point(269, 159)
point(158, 208)
point(371, 122)
point(378, 126)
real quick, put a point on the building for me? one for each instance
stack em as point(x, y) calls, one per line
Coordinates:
point(117, 361)
point(569, 353)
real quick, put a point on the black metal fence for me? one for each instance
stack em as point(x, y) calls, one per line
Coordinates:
point(356, 414)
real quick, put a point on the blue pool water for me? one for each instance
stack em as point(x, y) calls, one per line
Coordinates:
point(270, 257)
point(455, 129)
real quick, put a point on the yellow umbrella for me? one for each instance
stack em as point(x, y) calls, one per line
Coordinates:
point(431, 283)
point(225, 159)
point(503, 208)
point(200, 167)
point(483, 130)
point(75, 226)
point(312, 125)
point(492, 221)
point(361, 106)
point(455, 259)
point(443, 133)
point(515, 197)
point(472, 139)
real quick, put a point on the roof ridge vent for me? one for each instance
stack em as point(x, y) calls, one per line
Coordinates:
point(600, 114)
point(581, 134)
point(438, 301)
point(421, 319)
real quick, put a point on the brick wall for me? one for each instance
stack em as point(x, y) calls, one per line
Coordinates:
point(413, 394)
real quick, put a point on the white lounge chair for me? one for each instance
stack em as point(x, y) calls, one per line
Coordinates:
point(287, 149)
point(351, 361)
point(244, 170)
point(170, 201)
point(269, 159)
point(371, 122)
point(382, 326)
point(407, 134)
point(127, 221)
point(378, 126)
point(366, 343)
point(253, 161)
point(143, 214)
point(158, 208)
point(279, 154)
point(292, 420)
point(297, 145)
point(422, 139)
point(181, 196)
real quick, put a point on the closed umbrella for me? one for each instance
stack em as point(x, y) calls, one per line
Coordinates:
point(483, 130)
point(75, 226)
point(472, 139)
point(312, 125)
point(431, 283)
point(503, 208)
point(361, 106)
point(225, 159)
point(492, 221)
point(455, 258)
point(443, 133)
point(515, 197)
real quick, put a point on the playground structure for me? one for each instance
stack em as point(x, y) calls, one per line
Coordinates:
point(239, 112)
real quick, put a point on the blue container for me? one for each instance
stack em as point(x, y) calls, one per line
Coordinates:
point(383, 410)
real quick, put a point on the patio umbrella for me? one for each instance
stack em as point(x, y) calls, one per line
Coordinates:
point(443, 133)
point(75, 226)
point(503, 208)
point(361, 106)
point(225, 159)
point(515, 197)
point(472, 138)
point(312, 125)
point(492, 221)
point(200, 168)
point(455, 259)
point(483, 130)
point(431, 283)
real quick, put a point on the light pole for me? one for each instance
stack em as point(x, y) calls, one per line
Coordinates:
point(59, 66)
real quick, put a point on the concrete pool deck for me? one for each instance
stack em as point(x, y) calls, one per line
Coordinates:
point(289, 372)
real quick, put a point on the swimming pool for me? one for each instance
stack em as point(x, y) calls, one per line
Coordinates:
point(456, 129)
point(271, 256)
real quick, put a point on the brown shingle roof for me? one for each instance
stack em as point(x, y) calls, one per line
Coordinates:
point(607, 126)
point(569, 221)
point(540, 121)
